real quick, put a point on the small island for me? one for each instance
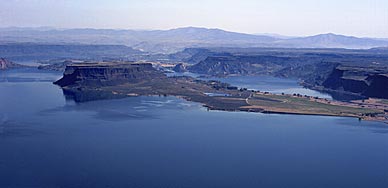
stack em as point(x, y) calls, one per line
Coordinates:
point(109, 80)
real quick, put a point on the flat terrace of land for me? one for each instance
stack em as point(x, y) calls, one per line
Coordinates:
point(297, 104)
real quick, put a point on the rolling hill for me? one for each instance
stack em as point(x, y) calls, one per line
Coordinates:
point(173, 40)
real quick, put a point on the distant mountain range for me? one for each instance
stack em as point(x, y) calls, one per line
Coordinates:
point(331, 40)
point(169, 41)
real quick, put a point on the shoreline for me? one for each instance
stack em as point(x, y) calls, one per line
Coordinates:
point(134, 79)
point(245, 107)
point(262, 111)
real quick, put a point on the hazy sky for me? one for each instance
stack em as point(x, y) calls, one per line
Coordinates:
point(367, 18)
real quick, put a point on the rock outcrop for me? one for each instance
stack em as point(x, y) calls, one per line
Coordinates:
point(180, 68)
point(5, 64)
point(108, 74)
point(378, 86)
point(238, 65)
point(255, 64)
point(357, 80)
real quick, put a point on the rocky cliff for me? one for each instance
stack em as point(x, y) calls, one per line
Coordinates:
point(5, 64)
point(311, 74)
point(241, 65)
point(378, 86)
point(369, 82)
point(107, 74)
point(293, 65)
point(180, 67)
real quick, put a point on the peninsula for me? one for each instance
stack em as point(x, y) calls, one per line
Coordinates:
point(108, 80)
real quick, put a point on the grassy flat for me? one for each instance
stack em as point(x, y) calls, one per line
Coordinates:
point(304, 105)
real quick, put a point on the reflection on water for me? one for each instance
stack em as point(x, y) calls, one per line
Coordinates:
point(29, 75)
point(124, 109)
point(48, 141)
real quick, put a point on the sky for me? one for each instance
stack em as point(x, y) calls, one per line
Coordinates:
point(362, 18)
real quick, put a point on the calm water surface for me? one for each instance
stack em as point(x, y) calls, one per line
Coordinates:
point(47, 141)
point(262, 83)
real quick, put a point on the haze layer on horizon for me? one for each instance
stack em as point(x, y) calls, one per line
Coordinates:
point(294, 18)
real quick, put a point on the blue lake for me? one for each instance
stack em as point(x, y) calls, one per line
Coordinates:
point(262, 83)
point(146, 142)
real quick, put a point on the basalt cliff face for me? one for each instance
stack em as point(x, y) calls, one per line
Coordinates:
point(362, 81)
point(378, 86)
point(107, 74)
point(238, 65)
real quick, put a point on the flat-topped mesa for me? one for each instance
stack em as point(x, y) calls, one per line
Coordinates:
point(108, 74)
